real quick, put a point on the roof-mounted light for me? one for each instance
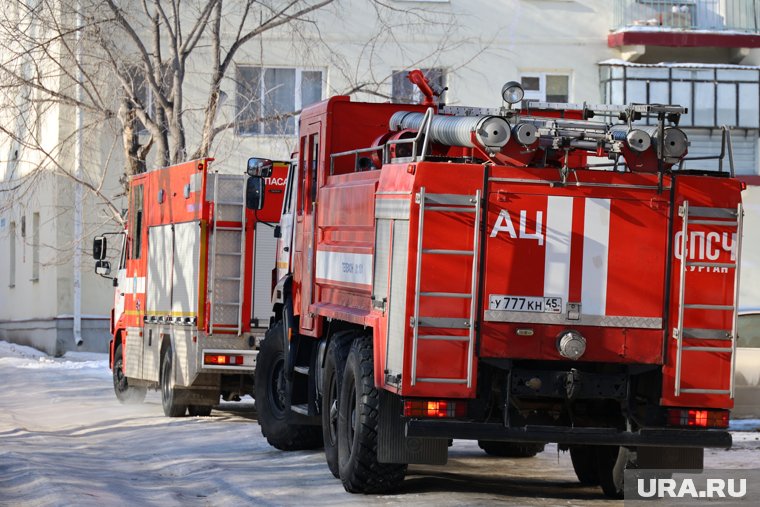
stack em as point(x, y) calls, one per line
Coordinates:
point(512, 92)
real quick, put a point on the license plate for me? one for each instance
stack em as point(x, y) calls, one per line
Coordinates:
point(525, 303)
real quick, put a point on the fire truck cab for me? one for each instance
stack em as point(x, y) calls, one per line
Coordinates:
point(192, 286)
point(553, 273)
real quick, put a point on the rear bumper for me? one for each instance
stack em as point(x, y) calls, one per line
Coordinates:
point(653, 437)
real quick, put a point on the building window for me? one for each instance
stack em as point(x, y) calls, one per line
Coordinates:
point(546, 87)
point(35, 247)
point(404, 92)
point(143, 92)
point(12, 255)
point(715, 95)
point(268, 98)
point(137, 221)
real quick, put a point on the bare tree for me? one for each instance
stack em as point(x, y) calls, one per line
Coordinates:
point(134, 58)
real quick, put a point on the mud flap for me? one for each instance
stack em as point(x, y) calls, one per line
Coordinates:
point(670, 458)
point(393, 446)
point(197, 396)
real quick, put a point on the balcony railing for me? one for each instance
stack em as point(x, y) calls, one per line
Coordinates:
point(724, 16)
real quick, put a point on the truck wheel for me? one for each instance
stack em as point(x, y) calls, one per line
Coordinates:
point(335, 364)
point(199, 410)
point(171, 407)
point(584, 464)
point(611, 462)
point(124, 392)
point(272, 404)
point(358, 407)
point(510, 449)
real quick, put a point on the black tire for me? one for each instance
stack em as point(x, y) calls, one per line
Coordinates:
point(199, 410)
point(272, 404)
point(125, 393)
point(611, 462)
point(168, 391)
point(510, 449)
point(584, 464)
point(358, 408)
point(335, 364)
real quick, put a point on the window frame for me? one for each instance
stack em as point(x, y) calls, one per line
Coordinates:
point(297, 92)
point(540, 95)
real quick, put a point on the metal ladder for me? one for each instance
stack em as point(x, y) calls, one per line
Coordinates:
point(451, 203)
point(721, 217)
point(226, 291)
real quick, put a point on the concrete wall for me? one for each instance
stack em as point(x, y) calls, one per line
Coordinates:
point(55, 336)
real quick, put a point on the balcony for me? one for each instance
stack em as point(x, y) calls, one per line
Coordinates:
point(732, 24)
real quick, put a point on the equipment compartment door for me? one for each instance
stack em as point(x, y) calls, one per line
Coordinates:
point(589, 257)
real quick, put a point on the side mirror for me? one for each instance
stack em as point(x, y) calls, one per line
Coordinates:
point(259, 167)
point(103, 268)
point(254, 193)
point(277, 231)
point(99, 248)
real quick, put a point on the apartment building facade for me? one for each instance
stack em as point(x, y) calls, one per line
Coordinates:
point(561, 50)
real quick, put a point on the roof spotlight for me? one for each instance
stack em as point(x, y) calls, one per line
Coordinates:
point(512, 92)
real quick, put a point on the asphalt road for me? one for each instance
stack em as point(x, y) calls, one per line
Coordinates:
point(65, 440)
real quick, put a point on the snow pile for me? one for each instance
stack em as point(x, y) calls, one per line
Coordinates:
point(22, 356)
point(745, 425)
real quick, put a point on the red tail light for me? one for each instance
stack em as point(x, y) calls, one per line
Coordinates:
point(434, 408)
point(696, 418)
point(222, 359)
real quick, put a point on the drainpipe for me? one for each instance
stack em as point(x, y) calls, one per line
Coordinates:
point(77, 324)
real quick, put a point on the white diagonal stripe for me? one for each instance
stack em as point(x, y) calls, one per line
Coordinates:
point(596, 245)
point(559, 227)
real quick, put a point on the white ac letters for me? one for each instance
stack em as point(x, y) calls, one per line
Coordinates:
point(504, 224)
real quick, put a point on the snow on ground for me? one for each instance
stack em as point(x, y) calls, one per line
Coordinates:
point(65, 440)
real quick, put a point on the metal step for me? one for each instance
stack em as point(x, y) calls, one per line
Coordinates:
point(444, 338)
point(447, 252)
point(443, 322)
point(709, 307)
point(229, 254)
point(705, 334)
point(224, 303)
point(725, 223)
point(229, 203)
point(449, 209)
point(699, 211)
point(446, 295)
point(303, 370)
point(707, 349)
point(229, 278)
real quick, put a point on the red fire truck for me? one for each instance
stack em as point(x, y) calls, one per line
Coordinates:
point(193, 285)
point(553, 273)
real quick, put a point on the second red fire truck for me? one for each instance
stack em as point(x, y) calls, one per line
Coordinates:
point(513, 276)
point(193, 284)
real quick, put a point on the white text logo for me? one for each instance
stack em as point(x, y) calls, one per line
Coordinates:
point(504, 224)
point(714, 488)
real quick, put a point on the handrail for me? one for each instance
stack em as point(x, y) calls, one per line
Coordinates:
point(355, 152)
point(726, 146)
